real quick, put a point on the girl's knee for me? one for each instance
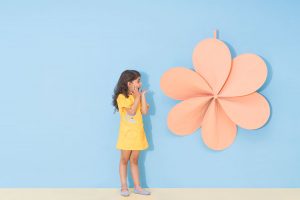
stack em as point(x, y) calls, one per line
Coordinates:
point(134, 160)
point(124, 161)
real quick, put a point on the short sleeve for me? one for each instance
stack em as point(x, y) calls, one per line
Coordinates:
point(123, 102)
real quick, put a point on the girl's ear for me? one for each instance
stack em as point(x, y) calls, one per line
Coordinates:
point(129, 85)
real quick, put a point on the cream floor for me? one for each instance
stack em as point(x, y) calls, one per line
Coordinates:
point(157, 194)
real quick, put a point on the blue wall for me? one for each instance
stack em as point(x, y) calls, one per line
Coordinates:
point(60, 61)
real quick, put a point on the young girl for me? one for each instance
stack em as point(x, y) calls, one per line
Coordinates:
point(131, 103)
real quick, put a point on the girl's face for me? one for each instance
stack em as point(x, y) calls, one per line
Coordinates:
point(135, 84)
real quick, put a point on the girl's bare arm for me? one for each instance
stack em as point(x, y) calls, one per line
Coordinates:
point(145, 106)
point(132, 110)
point(137, 99)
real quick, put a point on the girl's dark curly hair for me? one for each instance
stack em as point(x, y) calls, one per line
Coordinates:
point(121, 87)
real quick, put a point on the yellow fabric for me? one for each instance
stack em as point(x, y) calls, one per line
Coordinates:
point(131, 132)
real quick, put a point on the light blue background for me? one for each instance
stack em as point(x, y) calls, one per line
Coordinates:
point(60, 61)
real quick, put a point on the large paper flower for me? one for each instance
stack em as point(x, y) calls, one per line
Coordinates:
point(218, 95)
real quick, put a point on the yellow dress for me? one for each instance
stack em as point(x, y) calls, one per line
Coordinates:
point(131, 132)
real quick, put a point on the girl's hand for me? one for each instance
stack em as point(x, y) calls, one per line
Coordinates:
point(143, 92)
point(136, 93)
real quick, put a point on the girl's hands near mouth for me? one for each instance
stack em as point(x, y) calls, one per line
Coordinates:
point(143, 92)
point(136, 93)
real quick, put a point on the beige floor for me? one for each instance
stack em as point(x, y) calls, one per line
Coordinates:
point(157, 194)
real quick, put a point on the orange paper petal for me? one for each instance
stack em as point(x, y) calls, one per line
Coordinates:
point(212, 60)
point(249, 112)
point(248, 73)
point(186, 116)
point(180, 83)
point(218, 131)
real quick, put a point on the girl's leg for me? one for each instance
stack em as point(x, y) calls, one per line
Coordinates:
point(125, 155)
point(134, 158)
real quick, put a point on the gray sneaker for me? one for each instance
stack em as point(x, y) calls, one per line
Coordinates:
point(142, 192)
point(124, 193)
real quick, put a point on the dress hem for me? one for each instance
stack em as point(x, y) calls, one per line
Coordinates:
point(132, 148)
